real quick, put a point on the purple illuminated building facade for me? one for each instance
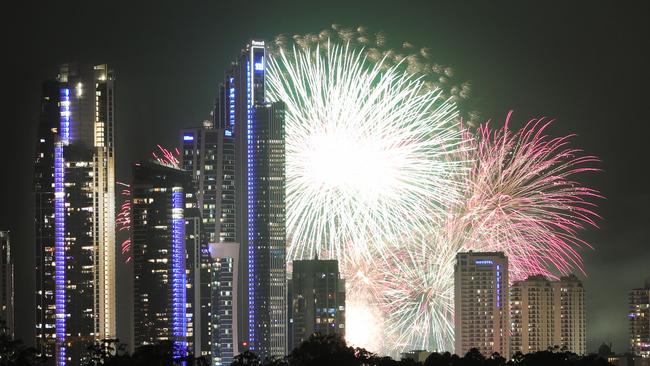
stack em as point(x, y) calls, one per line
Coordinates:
point(74, 214)
point(199, 149)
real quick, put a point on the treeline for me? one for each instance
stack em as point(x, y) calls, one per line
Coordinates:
point(318, 350)
point(331, 350)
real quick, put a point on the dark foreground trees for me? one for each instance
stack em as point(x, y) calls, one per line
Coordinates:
point(14, 353)
point(318, 350)
point(111, 352)
point(321, 350)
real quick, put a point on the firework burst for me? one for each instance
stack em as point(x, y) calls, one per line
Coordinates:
point(381, 177)
point(524, 199)
point(368, 152)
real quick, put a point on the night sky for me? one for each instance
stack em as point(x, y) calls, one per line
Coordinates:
point(586, 65)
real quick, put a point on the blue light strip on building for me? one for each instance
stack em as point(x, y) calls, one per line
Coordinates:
point(59, 253)
point(59, 227)
point(498, 285)
point(251, 211)
point(178, 280)
point(64, 109)
point(483, 261)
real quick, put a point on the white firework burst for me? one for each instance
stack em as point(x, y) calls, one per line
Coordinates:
point(369, 152)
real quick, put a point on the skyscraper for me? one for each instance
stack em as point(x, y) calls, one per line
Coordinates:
point(6, 283)
point(200, 148)
point(259, 206)
point(481, 303)
point(639, 318)
point(164, 219)
point(532, 314)
point(225, 290)
point(74, 196)
point(317, 300)
point(570, 318)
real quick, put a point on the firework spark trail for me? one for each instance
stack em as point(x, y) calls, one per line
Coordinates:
point(167, 157)
point(368, 152)
point(123, 220)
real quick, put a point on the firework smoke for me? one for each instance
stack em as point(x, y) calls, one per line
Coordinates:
point(405, 56)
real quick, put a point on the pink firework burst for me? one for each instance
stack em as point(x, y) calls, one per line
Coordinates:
point(524, 199)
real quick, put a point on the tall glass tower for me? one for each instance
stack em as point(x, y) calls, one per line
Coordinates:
point(257, 131)
point(201, 148)
point(74, 196)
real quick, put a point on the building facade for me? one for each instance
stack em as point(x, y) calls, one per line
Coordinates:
point(200, 147)
point(74, 197)
point(482, 303)
point(570, 323)
point(532, 315)
point(7, 294)
point(317, 303)
point(225, 290)
point(639, 318)
point(165, 228)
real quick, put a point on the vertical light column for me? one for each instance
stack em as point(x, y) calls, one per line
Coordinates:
point(59, 227)
point(104, 205)
point(250, 210)
point(179, 320)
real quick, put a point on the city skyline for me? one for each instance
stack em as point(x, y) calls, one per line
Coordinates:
point(591, 145)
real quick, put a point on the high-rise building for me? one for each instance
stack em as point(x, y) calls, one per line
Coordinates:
point(256, 216)
point(317, 300)
point(6, 283)
point(200, 152)
point(570, 318)
point(547, 313)
point(532, 315)
point(639, 318)
point(225, 289)
point(166, 230)
point(481, 303)
point(74, 193)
